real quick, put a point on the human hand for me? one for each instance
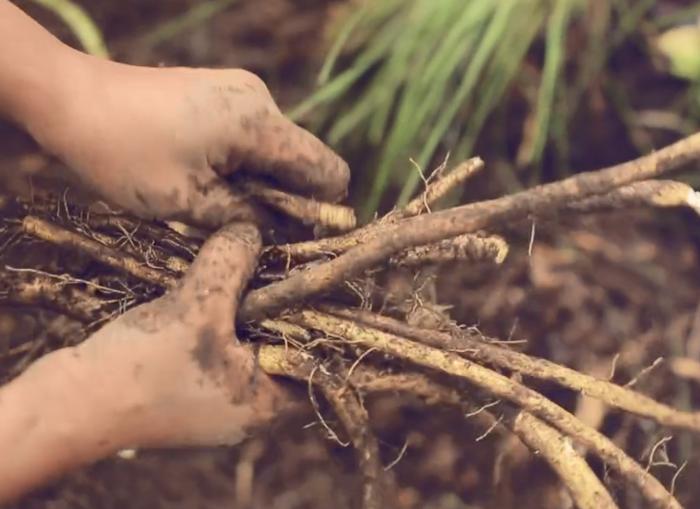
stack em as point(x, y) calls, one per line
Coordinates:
point(158, 141)
point(167, 373)
point(175, 363)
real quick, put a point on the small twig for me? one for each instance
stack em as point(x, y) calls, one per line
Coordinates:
point(661, 443)
point(314, 403)
point(483, 407)
point(613, 366)
point(676, 475)
point(398, 458)
point(644, 372)
point(489, 429)
point(357, 363)
point(442, 185)
point(423, 198)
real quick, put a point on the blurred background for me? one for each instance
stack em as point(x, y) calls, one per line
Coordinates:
point(540, 89)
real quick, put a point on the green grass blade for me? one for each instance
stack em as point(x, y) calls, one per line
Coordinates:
point(339, 43)
point(409, 66)
point(409, 54)
point(342, 82)
point(502, 70)
point(497, 28)
point(80, 23)
point(191, 18)
point(554, 57)
point(424, 96)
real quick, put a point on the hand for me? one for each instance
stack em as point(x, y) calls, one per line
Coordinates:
point(157, 141)
point(167, 373)
point(174, 365)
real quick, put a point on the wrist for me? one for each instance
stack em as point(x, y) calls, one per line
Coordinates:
point(53, 420)
point(44, 104)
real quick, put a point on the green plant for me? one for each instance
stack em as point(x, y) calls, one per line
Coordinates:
point(408, 79)
point(196, 15)
point(80, 23)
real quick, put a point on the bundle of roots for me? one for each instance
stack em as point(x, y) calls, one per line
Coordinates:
point(320, 313)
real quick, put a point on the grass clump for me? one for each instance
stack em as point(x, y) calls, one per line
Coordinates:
point(409, 78)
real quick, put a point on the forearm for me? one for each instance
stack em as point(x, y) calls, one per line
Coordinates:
point(118, 389)
point(36, 69)
point(52, 419)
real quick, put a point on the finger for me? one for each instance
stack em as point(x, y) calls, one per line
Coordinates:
point(212, 286)
point(296, 158)
point(213, 203)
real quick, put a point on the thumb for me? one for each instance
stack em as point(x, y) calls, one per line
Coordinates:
point(212, 287)
point(213, 204)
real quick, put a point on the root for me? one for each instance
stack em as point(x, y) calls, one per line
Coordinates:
point(442, 186)
point(65, 238)
point(305, 251)
point(63, 294)
point(586, 489)
point(310, 212)
point(356, 423)
point(656, 193)
point(377, 484)
point(430, 364)
point(428, 228)
point(501, 387)
point(479, 350)
point(464, 248)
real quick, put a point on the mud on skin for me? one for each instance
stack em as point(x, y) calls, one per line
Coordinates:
point(293, 156)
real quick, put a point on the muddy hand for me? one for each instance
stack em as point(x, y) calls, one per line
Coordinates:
point(185, 377)
point(157, 141)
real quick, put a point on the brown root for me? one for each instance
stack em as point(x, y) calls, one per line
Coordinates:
point(432, 364)
point(500, 386)
point(428, 228)
point(480, 350)
point(440, 187)
point(65, 238)
point(585, 488)
point(310, 212)
point(464, 248)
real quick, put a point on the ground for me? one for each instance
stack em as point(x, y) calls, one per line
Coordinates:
point(582, 292)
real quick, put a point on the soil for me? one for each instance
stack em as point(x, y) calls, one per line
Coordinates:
point(584, 291)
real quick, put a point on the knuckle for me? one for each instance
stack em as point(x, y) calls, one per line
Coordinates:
point(343, 175)
point(338, 179)
point(256, 96)
point(251, 81)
